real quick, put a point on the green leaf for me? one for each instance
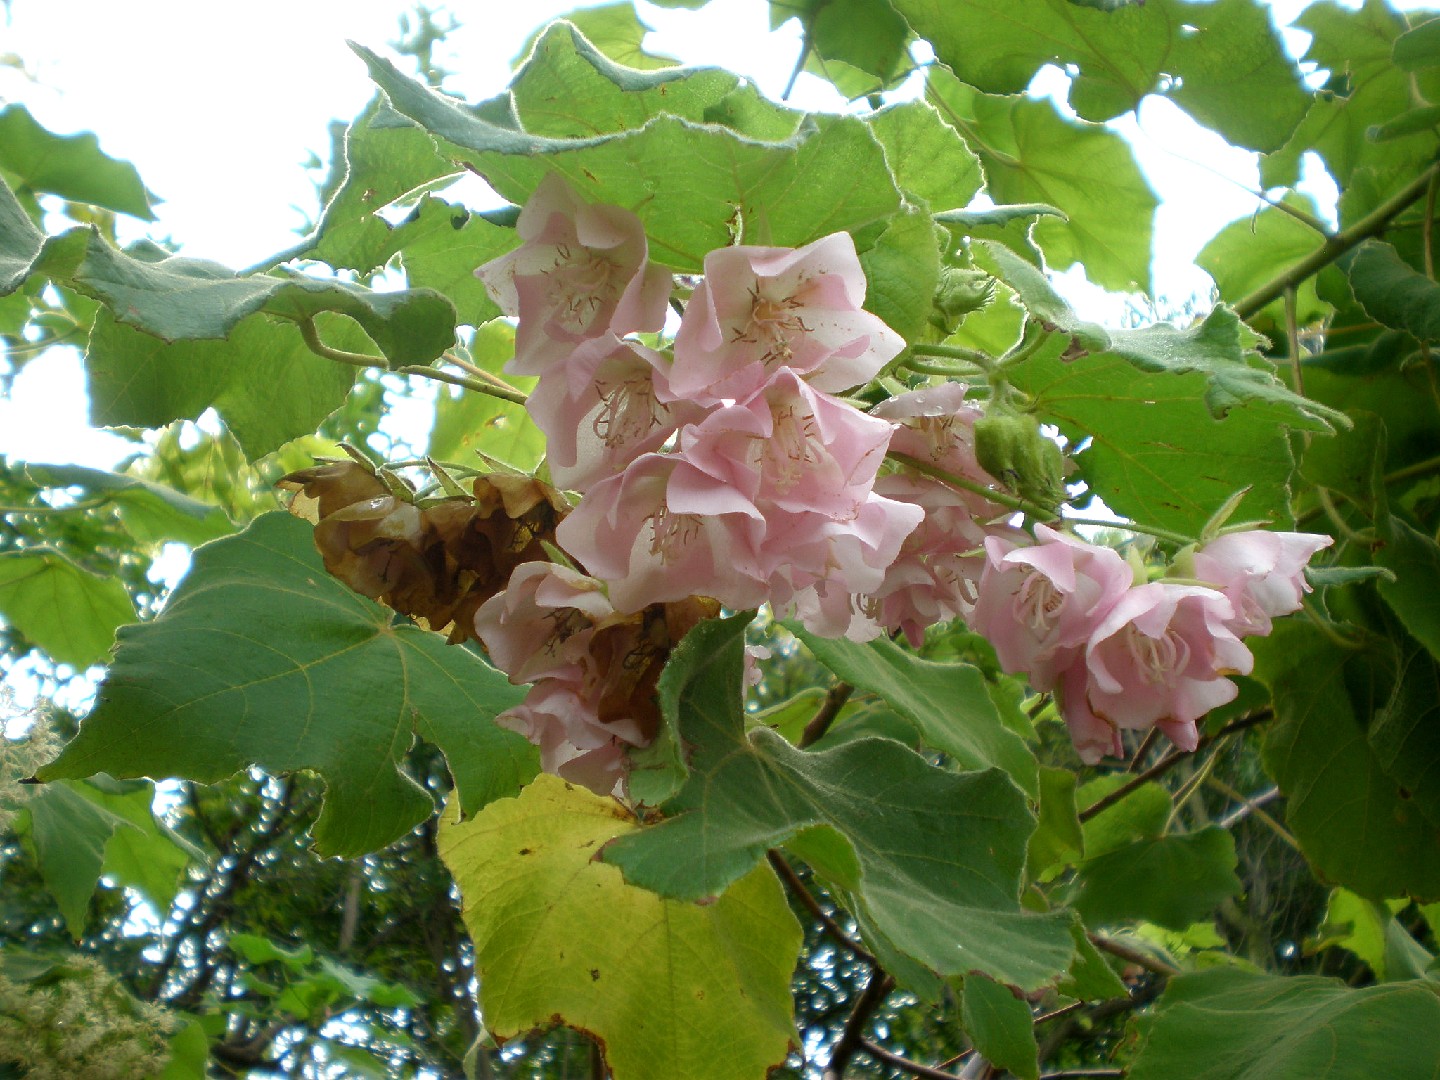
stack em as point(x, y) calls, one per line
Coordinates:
point(1405, 733)
point(1414, 559)
point(616, 31)
point(1001, 1026)
point(261, 950)
point(1392, 293)
point(1090, 978)
point(902, 271)
point(382, 162)
point(189, 1054)
point(176, 298)
point(569, 89)
point(1366, 89)
point(74, 167)
point(1353, 821)
point(1157, 454)
point(930, 160)
point(1141, 815)
point(1418, 48)
point(859, 34)
point(1057, 841)
point(70, 833)
point(152, 513)
point(667, 988)
point(138, 380)
point(1228, 67)
point(150, 857)
point(64, 609)
point(948, 703)
point(1032, 154)
point(261, 658)
point(1369, 929)
point(441, 245)
point(1226, 1024)
point(939, 855)
point(1249, 253)
point(1219, 347)
point(1171, 881)
point(20, 242)
point(830, 176)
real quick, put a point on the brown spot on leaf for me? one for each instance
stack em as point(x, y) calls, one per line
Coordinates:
point(595, 974)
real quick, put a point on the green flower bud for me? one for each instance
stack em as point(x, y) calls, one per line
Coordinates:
point(1011, 448)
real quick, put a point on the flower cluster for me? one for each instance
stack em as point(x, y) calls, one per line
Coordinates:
point(1126, 656)
point(725, 471)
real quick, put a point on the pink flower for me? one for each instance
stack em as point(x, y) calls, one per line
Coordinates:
point(573, 742)
point(937, 426)
point(540, 625)
point(603, 407)
point(581, 271)
point(1160, 657)
point(1091, 736)
point(935, 575)
point(664, 530)
point(761, 308)
point(1262, 573)
point(1039, 605)
point(792, 448)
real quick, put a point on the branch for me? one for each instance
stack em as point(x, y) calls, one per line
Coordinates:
point(807, 899)
point(1372, 224)
point(1169, 761)
point(853, 1036)
point(1133, 956)
point(914, 1068)
point(825, 715)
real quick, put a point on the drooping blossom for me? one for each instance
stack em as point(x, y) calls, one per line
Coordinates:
point(581, 271)
point(762, 308)
point(790, 448)
point(663, 530)
point(1159, 658)
point(937, 426)
point(541, 625)
point(936, 575)
point(1262, 573)
point(603, 407)
point(573, 743)
point(1039, 604)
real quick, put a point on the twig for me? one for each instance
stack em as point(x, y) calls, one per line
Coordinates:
point(1146, 745)
point(914, 1068)
point(1133, 956)
point(1169, 761)
point(504, 391)
point(1066, 1074)
point(825, 715)
point(1252, 806)
point(807, 899)
point(1056, 1014)
point(850, 1039)
point(1427, 227)
point(1372, 224)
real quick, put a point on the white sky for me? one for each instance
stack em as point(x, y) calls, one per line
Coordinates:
point(219, 105)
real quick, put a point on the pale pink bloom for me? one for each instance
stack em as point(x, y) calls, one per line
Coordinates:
point(792, 448)
point(1091, 736)
point(581, 271)
point(819, 569)
point(602, 408)
point(1039, 604)
point(1161, 656)
point(664, 530)
point(540, 625)
point(573, 743)
point(937, 426)
point(1262, 573)
point(761, 308)
point(934, 577)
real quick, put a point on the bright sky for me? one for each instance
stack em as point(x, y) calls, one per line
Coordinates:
point(219, 105)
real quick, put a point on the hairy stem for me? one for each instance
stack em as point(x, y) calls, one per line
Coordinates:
point(1372, 224)
point(807, 899)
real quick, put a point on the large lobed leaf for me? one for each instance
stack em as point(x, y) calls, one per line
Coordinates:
point(63, 608)
point(669, 989)
point(933, 857)
point(73, 167)
point(262, 658)
point(1228, 1024)
point(830, 175)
